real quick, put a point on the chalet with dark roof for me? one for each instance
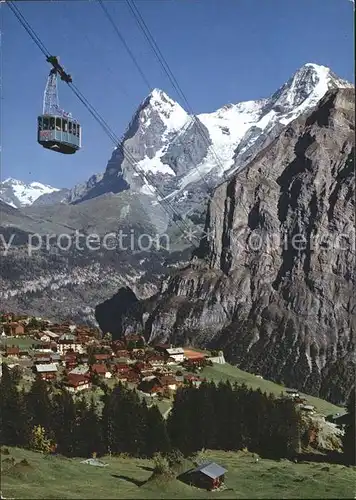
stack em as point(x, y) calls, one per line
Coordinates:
point(208, 475)
point(47, 371)
point(13, 352)
point(101, 370)
point(77, 382)
point(14, 329)
point(102, 357)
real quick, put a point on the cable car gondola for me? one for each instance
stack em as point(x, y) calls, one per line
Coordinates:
point(56, 129)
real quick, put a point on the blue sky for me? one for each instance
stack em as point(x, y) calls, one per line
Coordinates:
point(220, 51)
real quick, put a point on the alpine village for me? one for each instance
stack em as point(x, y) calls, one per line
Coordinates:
point(67, 390)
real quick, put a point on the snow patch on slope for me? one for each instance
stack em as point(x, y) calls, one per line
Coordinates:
point(226, 127)
point(148, 190)
point(318, 86)
point(155, 164)
point(229, 125)
point(171, 113)
point(19, 194)
point(11, 203)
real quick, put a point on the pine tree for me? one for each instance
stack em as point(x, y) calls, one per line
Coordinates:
point(225, 408)
point(94, 426)
point(241, 433)
point(255, 415)
point(134, 425)
point(120, 420)
point(284, 428)
point(39, 440)
point(113, 419)
point(64, 422)
point(131, 345)
point(107, 430)
point(269, 428)
point(87, 431)
point(205, 421)
point(157, 439)
point(140, 344)
point(91, 356)
point(180, 421)
point(81, 435)
point(14, 422)
point(39, 405)
point(349, 438)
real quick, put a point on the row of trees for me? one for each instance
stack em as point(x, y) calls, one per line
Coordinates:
point(213, 416)
point(232, 418)
point(349, 438)
point(74, 426)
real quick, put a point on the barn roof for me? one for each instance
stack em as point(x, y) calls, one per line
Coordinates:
point(51, 367)
point(175, 350)
point(50, 334)
point(99, 368)
point(211, 469)
point(79, 370)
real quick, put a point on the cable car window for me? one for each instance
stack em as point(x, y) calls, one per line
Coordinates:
point(51, 123)
point(45, 123)
point(74, 129)
point(78, 130)
point(70, 127)
point(64, 125)
point(40, 123)
point(58, 124)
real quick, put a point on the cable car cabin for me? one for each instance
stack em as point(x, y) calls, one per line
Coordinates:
point(59, 133)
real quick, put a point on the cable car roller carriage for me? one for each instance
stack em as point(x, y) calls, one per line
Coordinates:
point(57, 130)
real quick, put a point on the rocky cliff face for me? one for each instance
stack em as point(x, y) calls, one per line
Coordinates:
point(273, 282)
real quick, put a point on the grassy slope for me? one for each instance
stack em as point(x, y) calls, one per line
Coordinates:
point(57, 477)
point(234, 374)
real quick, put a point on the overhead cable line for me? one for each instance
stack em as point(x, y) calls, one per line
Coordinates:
point(116, 29)
point(161, 59)
point(101, 121)
point(28, 28)
point(200, 129)
point(142, 25)
point(94, 47)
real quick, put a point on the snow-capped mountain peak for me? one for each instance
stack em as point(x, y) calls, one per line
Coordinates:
point(19, 194)
point(158, 103)
point(306, 87)
point(156, 122)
